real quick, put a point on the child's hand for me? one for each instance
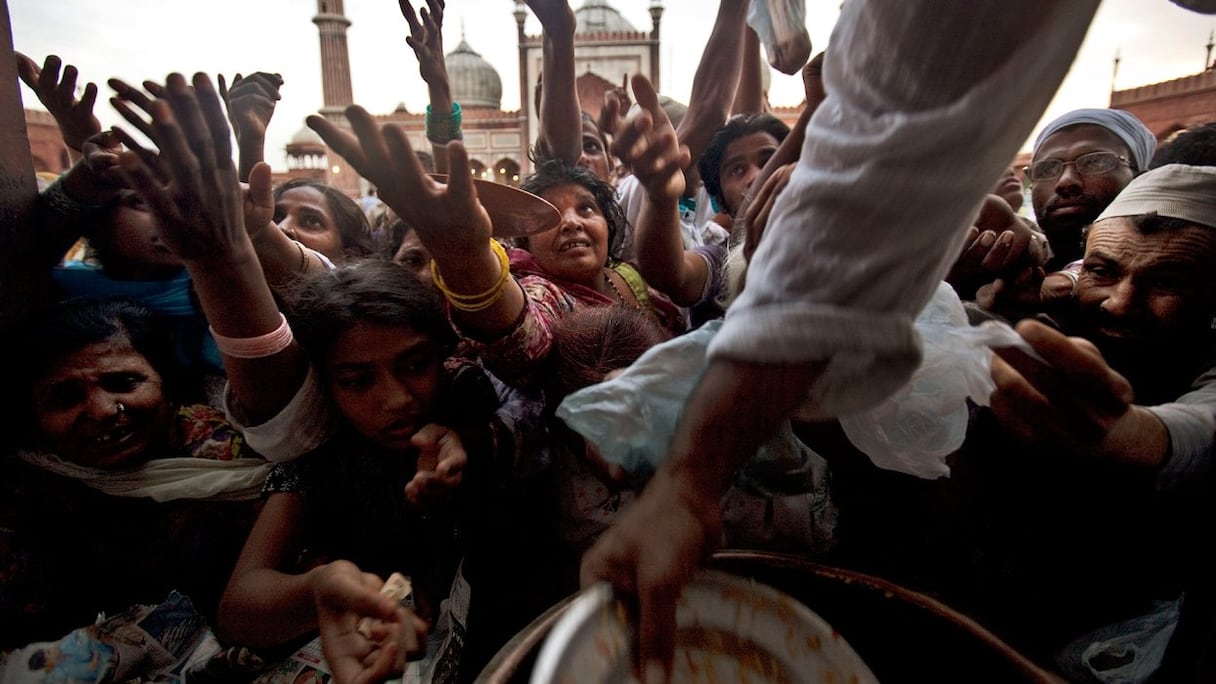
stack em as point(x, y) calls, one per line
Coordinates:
point(441, 462)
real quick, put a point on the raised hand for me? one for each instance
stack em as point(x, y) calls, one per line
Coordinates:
point(426, 39)
point(75, 117)
point(201, 207)
point(441, 462)
point(447, 216)
point(251, 101)
point(647, 143)
point(616, 105)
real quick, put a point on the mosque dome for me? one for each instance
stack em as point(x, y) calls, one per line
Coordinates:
point(597, 16)
point(475, 83)
point(307, 136)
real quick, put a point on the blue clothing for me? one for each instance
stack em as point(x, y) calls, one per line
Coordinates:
point(171, 298)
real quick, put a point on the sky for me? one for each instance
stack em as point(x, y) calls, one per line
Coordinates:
point(146, 39)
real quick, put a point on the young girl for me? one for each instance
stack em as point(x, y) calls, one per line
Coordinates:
point(373, 339)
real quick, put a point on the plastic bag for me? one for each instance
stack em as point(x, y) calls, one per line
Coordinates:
point(1123, 653)
point(781, 26)
point(915, 429)
point(779, 500)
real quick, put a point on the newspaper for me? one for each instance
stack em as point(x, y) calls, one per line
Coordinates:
point(142, 644)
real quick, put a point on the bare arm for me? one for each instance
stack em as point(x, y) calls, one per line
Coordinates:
point(647, 143)
point(749, 95)
point(426, 39)
point(656, 545)
point(560, 134)
point(202, 216)
point(713, 85)
point(263, 605)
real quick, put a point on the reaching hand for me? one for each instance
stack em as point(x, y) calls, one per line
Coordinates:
point(447, 217)
point(441, 462)
point(616, 106)
point(647, 143)
point(76, 120)
point(759, 207)
point(426, 39)
point(344, 595)
point(1077, 401)
point(251, 101)
point(812, 81)
point(201, 207)
point(650, 554)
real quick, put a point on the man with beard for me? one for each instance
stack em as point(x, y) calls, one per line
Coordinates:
point(1081, 161)
point(1093, 511)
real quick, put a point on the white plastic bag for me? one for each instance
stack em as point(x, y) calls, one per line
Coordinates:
point(781, 27)
point(915, 429)
point(779, 500)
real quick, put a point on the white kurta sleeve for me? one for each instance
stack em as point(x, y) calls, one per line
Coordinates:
point(928, 101)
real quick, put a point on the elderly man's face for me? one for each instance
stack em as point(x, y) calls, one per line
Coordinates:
point(1146, 292)
point(1066, 204)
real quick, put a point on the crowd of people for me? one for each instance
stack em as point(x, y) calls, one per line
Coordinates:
point(249, 406)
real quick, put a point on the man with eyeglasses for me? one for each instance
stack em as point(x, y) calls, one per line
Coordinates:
point(1081, 161)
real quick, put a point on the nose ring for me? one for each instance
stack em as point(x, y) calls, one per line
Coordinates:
point(119, 408)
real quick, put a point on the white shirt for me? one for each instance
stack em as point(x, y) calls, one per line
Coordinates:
point(927, 103)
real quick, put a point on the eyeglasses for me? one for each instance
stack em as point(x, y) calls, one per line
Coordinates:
point(1090, 164)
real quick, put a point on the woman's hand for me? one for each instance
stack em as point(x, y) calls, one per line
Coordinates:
point(441, 462)
point(344, 597)
point(446, 216)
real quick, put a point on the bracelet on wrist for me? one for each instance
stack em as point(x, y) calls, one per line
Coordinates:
point(482, 300)
point(257, 347)
point(443, 128)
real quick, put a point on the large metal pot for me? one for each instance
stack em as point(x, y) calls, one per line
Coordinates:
point(902, 635)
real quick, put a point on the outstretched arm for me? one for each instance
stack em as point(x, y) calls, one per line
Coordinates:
point(713, 85)
point(647, 143)
point(448, 218)
point(202, 215)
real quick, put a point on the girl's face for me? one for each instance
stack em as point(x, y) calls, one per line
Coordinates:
point(103, 406)
point(133, 247)
point(384, 379)
point(577, 249)
point(303, 214)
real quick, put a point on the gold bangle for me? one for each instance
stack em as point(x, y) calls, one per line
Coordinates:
point(481, 300)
